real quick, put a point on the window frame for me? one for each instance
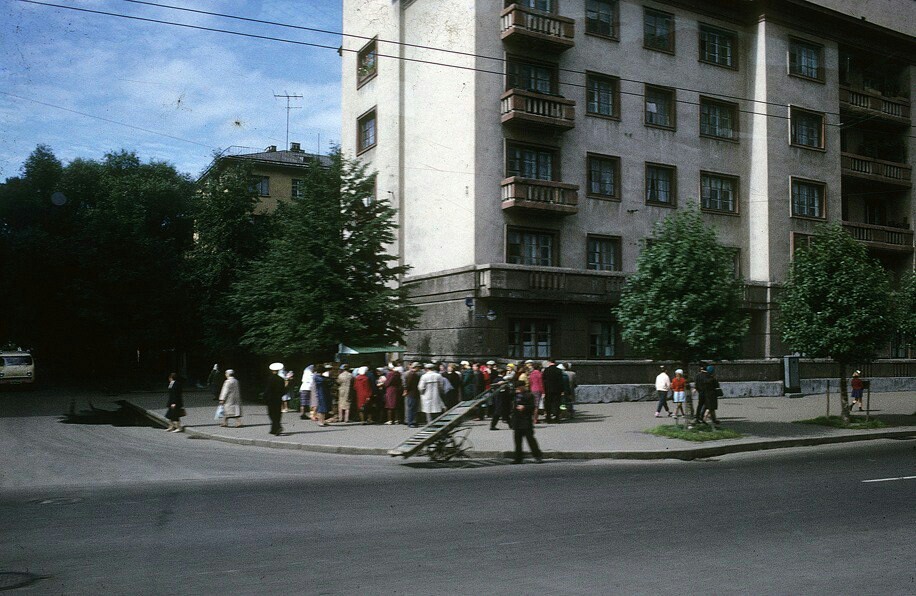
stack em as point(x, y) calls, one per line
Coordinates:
point(591, 76)
point(819, 48)
point(736, 189)
point(515, 349)
point(616, 196)
point(554, 159)
point(821, 134)
point(554, 235)
point(798, 240)
point(672, 108)
point(614, 34)
point(670, 49)
point(260, 184)
point(297, 190)
point(612, 336)
point(527, 3)
point(364, 117)
point(370, 48)
point(728, 33)
point(673, 185)
point(616, 245)
point(553, 67)
point(793, 180)
point(736, 130)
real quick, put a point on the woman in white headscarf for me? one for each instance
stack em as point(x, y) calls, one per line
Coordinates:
point(230, 397)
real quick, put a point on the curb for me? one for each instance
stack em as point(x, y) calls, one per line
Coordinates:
point(686, 454)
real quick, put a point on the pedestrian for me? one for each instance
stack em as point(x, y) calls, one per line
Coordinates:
point(393, 387)
point(503, 396)
point(215, 381)
point(709, 391)
point(523, 423)
point(453, 389)
point(553, 391)
point(363, 388)
point(322, 384)
point(344, 387)
point(472, 384)
point(569, 390)
point(412, 394)
point(287, 376)
point(305, 393)
point(662, 386)
point(679, 390)
point(273, 397)
point(175, 404)
point(536, 386)
point(858, 386)
point(431, 387)
point(230, 398)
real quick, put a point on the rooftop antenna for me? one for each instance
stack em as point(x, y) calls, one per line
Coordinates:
point(288, 97)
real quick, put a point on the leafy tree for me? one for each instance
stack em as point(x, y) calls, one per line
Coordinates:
point(326, 277)
point(835, 303)
point(684, 301)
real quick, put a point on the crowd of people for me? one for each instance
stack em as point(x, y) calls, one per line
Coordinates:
point(705, 387)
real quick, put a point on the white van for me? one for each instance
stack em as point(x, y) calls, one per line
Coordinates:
point(16, 368)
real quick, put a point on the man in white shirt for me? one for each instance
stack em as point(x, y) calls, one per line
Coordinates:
point(432, 388)
point(662, 386)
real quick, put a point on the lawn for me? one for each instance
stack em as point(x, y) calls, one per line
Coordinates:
point(855, 422)
point(700, 432)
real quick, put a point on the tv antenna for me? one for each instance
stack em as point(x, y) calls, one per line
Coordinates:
point(288, 97)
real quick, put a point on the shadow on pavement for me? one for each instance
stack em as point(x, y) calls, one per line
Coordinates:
point(123, 416)
point(457, 464)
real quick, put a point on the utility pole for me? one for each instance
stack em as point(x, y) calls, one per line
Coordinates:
point(288, 97)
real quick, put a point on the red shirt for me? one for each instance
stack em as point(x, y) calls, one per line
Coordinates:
point(678, 383)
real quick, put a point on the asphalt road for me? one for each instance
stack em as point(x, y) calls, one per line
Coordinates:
point(128, 510)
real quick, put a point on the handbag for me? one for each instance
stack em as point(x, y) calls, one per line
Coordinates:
point(220, 412)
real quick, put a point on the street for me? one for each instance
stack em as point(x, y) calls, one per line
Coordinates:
point(116, 510)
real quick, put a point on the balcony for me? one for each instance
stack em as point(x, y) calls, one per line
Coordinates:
point(882, 237)
point(529, 108)
point(874, 104)
point(878, 170)
point(528, 195)
point(527, 282)
point(536, 30)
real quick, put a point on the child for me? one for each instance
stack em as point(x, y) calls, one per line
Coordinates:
point(679, 387)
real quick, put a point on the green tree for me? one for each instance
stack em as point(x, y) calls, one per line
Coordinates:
point(684, 301)
point(835, 303)
point(326, 276)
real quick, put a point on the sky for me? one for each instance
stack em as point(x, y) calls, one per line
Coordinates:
point(87, 84)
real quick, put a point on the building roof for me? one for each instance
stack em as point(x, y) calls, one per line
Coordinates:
point(295, 158)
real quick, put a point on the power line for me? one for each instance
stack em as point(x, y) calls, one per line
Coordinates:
point(406, 59)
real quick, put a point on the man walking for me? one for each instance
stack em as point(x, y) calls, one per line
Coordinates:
point(662, 386)
point(273, 397)
point(523, 423)
point(553, 390)
point(708, 389)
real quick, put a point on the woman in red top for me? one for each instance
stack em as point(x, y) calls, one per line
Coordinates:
point(858, 385)
point(363, 388)
point(679, 387)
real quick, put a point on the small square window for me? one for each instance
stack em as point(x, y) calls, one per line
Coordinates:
point(366, 131)
point(602, 95)
point(718, 46)
point(602, 253)
point(806, 59)
point(366, 63)
point(530, 247)
point(661, 185)
point(807, 128)
point(658, 30)
point(601, 18)
point(260, 185)
point(718, 192)
point(604, 176)
point(660, 107)
point(532, 162)
point(298, 188)
point(531, 76)
point(808, 198)
point(798, 240)
point(530, 338)
point(602, 339)
point(718, 119)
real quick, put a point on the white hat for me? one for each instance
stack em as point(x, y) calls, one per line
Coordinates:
point(276, 366)
point(491, 362)
point(561, 367)
point(679, 371)
point(430, 366)
point(465, 363)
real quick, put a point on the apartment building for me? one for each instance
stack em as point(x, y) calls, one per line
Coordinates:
point(530, 147)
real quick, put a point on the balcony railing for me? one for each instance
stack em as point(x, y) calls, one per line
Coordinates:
point(519, 106)
point(536, 28)
point(875, 104)
point(540, 195)
point(881, 236)
point(549, 283)
point(876, 169)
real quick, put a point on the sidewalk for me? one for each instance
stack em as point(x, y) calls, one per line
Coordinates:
point(615, 430)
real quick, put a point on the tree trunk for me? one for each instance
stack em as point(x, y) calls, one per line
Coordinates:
point(688, 393)
point(844, 394)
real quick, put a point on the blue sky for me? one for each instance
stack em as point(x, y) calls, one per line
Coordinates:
point(205, 90)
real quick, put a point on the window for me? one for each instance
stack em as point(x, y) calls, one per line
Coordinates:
point(366, 131)
point(530, 338)
point(602, 336)
point(658, 30)
point(807, 128)
point(260, 185)
point(602, 253)
point(526, 161)
point(718, 46)
point(602, 96)
point(734, 255)
point(718, 192)
point(542, 5)
point(806, 59)
point(808, 198)
point(797, 240)
point(659, 107)
point(298, 188)
point(601, 17)
point(718, 119)
point(366, 63)
point(530, 247)
point(604, 176)
point(875, 213)
point(531, 76)
point(661, 184)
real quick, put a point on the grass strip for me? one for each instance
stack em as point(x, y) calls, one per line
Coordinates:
point(701, 432)
point(855, 422)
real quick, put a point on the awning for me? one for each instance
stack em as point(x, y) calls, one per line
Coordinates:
point(342, 349)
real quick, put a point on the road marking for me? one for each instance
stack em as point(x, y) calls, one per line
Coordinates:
point(891, 479)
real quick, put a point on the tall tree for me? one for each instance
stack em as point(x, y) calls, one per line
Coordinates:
point(835, 303)
point(326, 276)
point(684, 301)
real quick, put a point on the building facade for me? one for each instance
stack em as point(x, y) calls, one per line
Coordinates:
point(530, 147)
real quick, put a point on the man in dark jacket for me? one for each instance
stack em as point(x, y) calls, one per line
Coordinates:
point(523, 423)
point(412, 394)
point(273, 397)
point(707, 386)
point(553, 390)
